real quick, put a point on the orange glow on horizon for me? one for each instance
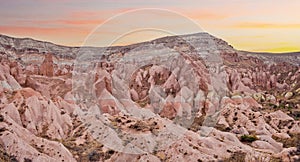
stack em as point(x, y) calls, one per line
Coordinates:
point(247, 26)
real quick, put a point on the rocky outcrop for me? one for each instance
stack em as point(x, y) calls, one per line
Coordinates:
point(181, 98)
point(46, 68)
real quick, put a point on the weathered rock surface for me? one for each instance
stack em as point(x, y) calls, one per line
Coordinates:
point(46, 67)
point(170, 99)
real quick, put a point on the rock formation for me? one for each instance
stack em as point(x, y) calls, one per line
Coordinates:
point(180, 98)
point(46, 68)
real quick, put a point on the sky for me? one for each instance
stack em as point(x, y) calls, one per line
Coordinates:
point(252, 25)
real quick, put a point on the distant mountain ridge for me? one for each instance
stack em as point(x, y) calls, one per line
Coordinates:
point(29, 45)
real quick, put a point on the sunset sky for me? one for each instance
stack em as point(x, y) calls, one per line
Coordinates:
point(253, 25)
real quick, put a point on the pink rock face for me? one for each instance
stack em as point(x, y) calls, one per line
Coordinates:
point(108, 103)
point(144, 78)
point(21, 140)
point(169, 106)
point(46, 67)
point(238, 85)
point(169, 111)
point(103, 81)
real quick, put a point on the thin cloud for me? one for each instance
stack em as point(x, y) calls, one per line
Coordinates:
point(40, 30)
point(83, 17)
point(81, 14)
point(60, 22)
point(97, 13)
point(264, 25)
point(200, 14)
point(205, 15)
point(81, 22)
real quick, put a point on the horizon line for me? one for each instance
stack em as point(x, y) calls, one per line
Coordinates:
point(144, 41)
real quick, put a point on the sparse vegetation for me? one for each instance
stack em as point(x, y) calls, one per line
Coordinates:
point(223, 128)
point(274, 159)
point(94, 156)
point(236, 157)
point(139, 126)
point(248, 138)
point(89, 151)
point(294, 141)
point(4, 156)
